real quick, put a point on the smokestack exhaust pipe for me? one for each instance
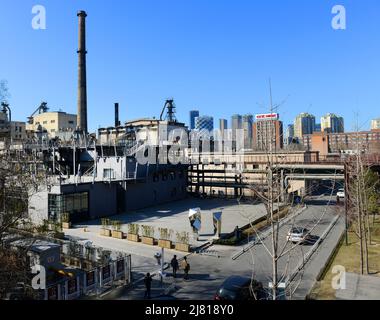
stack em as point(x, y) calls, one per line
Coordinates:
point(117, 122)
point(82, 80)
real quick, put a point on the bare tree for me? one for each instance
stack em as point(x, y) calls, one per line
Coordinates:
point(17, 183)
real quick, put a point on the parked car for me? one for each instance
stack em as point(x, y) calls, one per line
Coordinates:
point(298, 235)
point(20, 292)
point(340, 194)
point(239, 288)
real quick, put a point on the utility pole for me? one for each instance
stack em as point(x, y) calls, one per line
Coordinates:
point(346, 199)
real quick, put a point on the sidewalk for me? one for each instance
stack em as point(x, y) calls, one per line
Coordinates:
point(360, 287)
point(159, 291)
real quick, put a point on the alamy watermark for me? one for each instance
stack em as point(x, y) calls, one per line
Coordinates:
point(39, 18)
point(338, 282)
point(178, 146)
point(339, 21)
point(39, 281)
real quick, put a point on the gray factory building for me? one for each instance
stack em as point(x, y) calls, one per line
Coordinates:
point(120, 185)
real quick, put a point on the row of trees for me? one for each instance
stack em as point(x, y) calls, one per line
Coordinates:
point(362, 203)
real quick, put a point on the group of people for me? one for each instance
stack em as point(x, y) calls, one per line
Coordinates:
point(175, 267)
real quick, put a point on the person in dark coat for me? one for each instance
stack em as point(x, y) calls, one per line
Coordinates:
point(174, 264)
point(186, 268)
point(148, 285)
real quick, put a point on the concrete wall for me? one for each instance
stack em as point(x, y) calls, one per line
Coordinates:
point(38, 203)
point(142, 195)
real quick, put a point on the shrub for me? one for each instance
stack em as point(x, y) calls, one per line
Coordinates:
point(165, 233)
point(133, 228)
point(148, 231)
point(183, 237)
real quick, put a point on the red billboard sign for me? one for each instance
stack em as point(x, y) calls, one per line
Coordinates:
point(267, 116)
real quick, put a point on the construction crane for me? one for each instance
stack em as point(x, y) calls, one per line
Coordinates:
point(170, 115)
point(41, 109)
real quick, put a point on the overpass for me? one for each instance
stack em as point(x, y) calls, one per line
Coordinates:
point(211, 178)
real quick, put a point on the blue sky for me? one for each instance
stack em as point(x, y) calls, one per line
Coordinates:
point(211, 55)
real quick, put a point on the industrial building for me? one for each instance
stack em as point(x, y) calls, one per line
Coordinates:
point(15, 131)
point(52, 124)
point(118, 184)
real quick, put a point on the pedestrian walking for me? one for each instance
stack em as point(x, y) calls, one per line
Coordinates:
point(186, 268)
point(148, 285)
point(174, 264)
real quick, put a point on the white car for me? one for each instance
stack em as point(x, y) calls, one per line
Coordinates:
point(297, 235)
point(340, 194)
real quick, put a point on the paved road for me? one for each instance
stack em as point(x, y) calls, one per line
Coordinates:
point(209, 271)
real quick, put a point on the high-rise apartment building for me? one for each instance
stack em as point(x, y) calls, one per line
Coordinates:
point(204, 123)
point(331, 123)
point(193, 115)
point(304, 124)
point(375, 124)
point(223, 125)
point(247, 126)
point(268, 132)
point(289, 134)
point(236, 122)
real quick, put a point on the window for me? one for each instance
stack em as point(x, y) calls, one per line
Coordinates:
point(71, 122)
point(45, 122)
point(108, 174)
point(106, 272)
point(72, 286)
point(120, 266)
point(52, 130)
point(90, 278)
point(76, 205)
point(52, 121)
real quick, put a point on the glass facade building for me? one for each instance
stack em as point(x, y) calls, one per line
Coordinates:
point(75, 205)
